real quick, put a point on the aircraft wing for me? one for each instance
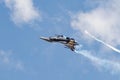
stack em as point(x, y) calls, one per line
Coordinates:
point(71, 47)
point(71, 44)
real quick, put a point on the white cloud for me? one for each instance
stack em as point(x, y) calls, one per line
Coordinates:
point(23, 11)
point(102, 21)
point(6, 59)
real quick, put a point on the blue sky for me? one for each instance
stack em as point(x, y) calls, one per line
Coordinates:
point(23, 56)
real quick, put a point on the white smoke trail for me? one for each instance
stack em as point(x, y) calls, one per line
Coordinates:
point(111, 47)
point(112, 66)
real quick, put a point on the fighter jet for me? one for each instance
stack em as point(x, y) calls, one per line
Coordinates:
point(67, 41)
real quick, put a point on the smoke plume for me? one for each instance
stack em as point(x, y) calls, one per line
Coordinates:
point(108, 65)
point(109, 46)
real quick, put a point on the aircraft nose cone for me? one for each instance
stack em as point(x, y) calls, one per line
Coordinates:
point(42, 38)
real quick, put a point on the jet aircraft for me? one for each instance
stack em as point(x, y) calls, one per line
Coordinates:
point(67, 41)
